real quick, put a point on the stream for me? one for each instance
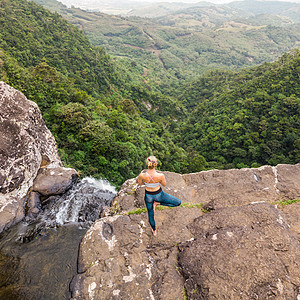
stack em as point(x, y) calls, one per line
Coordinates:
point(38, 256)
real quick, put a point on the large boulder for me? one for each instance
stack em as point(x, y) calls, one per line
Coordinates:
point(54, 181)
point(220, 188)
point(197, 255)
point(246, 252)
point(26, 144)
point(243, 252)
point(119, 257)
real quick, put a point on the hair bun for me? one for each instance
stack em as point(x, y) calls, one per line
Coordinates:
point(151, 161)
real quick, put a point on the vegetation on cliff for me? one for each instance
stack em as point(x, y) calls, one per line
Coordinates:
point(106, 120)
point(104, 137)
point(90, 107)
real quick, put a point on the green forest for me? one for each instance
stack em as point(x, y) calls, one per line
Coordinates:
point(247, 118)
point(170, 50)
point(106, 118)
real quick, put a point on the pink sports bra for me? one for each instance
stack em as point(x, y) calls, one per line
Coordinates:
point(149, 184)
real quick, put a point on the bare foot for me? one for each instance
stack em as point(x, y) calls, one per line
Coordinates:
point(154, 232)
point(154, 205)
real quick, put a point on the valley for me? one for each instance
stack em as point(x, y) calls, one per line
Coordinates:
point(213, 91)
point(198, 98)
point(192, 38)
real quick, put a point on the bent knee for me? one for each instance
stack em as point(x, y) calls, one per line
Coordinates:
point(177, 202)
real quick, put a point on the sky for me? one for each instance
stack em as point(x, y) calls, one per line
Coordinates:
point(86, 3)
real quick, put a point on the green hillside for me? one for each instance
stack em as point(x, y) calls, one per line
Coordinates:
point(180, 46)
point(32, 34)
point(107, 117)
point(244, 119)
point(90, 107)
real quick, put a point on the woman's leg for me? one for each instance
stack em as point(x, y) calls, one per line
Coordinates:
point(169, 200)
point(149, 205)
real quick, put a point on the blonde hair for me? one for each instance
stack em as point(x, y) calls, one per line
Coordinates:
point(151, 162)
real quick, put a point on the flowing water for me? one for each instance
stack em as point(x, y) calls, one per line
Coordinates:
point(38, 257)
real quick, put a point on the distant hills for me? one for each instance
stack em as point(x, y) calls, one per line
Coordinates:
point(186, 40)
point(290, 10)
point(161, 8)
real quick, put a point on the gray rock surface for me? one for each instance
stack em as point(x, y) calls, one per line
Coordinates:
point(25, 145)
point(288, 181)
point(245, 252)
point(243, 249)
point(120, 259)
point(54, 181)
point(33, 204)
point(292, 213)
point(220, 188)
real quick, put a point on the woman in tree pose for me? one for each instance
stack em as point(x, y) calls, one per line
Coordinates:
point(154, 194)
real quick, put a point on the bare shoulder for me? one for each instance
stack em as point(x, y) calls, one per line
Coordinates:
point(142, 175)
point(162, 179)
point(141, 178)
point(160, 175)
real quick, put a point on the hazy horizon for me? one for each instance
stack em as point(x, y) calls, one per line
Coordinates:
point(97, 3)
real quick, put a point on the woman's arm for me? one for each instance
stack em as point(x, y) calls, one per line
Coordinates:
point(163, 181)
point(140, 179)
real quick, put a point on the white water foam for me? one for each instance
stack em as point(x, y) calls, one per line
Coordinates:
point(67, 211)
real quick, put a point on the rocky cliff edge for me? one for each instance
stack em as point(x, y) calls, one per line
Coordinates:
point(232, 238)
point(28, 156)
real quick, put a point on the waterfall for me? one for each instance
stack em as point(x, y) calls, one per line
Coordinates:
point(82, 204)
point(39, 256)
point(85, 202)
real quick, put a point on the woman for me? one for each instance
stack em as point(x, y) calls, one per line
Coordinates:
point(154, 194)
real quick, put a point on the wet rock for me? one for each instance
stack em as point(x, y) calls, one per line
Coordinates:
point(25, 143)
point(245, 252)
point(54, 181)
point(82, 204)
point(38, 268)
point(33, 204)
